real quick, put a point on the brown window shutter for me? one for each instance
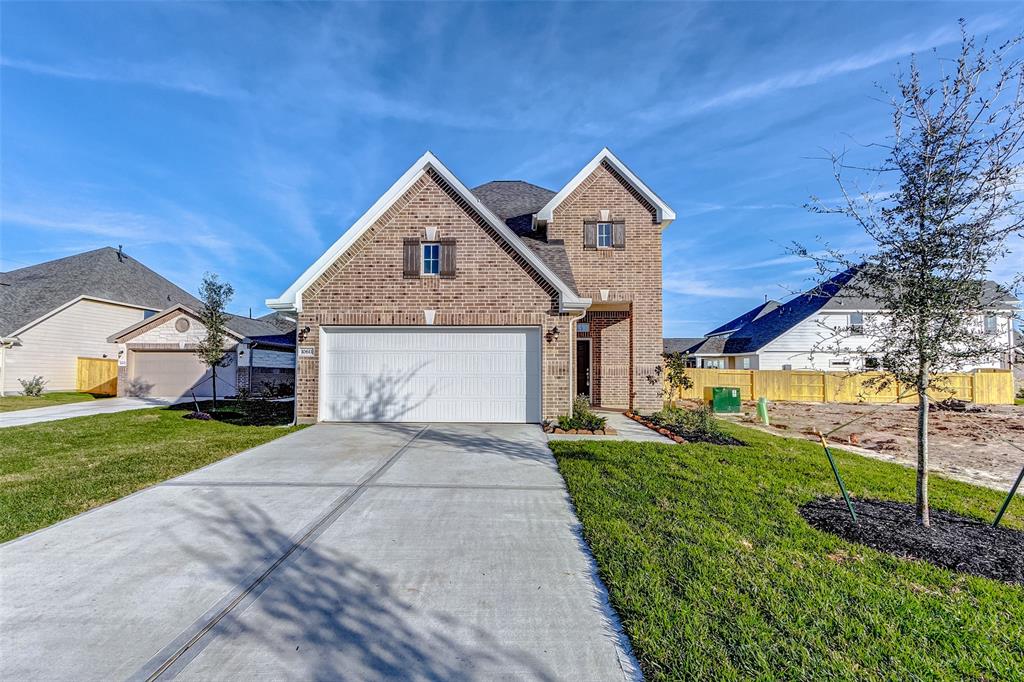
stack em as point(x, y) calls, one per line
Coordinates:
point(589, 235)
point(618, 235)
point(448, 258)
point(410, 258)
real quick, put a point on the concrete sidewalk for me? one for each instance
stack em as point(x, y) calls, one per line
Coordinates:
point(337, 552)
point(627, 430)
point(83, 409)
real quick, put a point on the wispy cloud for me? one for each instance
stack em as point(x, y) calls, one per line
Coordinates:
point(177, 76)
point(671, 113)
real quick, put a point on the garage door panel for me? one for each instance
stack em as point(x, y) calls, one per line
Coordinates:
point(436, 374)
point(175, 374)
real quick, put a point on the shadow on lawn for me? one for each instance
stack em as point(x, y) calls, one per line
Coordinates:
point(324, 615)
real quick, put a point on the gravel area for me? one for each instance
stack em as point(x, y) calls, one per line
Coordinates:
point(952, 541)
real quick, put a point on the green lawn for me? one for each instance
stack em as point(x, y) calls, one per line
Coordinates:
point(24, 402)
point(716, 575)
point(54, 470)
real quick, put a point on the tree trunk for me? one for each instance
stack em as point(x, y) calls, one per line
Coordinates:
point(923, 516)
point(214, 368)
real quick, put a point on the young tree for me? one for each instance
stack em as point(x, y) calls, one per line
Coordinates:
point(952, 170)
point(215, 296)
point(675, 374)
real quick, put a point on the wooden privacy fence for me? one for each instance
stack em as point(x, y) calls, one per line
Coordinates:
point(988, 387)
point(97, 375)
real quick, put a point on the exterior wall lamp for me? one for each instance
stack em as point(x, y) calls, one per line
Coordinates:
point(552, 335)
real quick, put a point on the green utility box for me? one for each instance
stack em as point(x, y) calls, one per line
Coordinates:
point(723, 399)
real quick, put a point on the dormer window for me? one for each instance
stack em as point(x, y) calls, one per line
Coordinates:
point(431, 259)
point(604, 235)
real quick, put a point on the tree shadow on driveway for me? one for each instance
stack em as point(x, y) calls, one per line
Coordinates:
point(322, 615)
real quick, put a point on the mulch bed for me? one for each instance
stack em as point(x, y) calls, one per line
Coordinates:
point(952, 541)
point(683, 436)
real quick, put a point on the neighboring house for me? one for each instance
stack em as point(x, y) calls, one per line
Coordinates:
point(156, 356)
point(493, 305)
point(55, 312)
point(796, 334)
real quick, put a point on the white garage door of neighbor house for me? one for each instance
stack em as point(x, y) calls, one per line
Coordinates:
point(434, 374)
point(175, 374)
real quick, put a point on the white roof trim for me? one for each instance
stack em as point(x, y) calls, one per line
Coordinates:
point(70, 303)
point(664, 214)
point(291, 299)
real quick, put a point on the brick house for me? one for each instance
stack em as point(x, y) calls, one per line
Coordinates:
point(496, 304)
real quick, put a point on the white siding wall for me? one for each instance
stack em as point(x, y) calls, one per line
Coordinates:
point(51, 348)
point(797, 346)
point(272, 358)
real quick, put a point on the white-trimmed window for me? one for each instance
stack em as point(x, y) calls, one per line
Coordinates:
point(991, 324)
point(604, 235)
point(431, 261)
point(746, 363)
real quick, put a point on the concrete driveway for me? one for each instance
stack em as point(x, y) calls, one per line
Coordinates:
point(348, 552)
point(83, 409)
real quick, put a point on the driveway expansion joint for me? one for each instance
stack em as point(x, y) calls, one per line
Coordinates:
point(173, 659)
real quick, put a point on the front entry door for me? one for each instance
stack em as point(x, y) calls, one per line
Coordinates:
point(583, 367)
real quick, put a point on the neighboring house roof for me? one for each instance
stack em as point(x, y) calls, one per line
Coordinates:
point(745, 318)
point(663, 214)
point(106, 274)
point(286, 323)
point(769, 321)
point(237, 326)
point(854, 297)
point(273, 340)
point(291, 299)
point(680, 344)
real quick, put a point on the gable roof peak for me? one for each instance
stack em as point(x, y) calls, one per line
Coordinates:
point(663, 213)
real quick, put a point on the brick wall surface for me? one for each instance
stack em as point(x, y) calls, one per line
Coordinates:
point(609, 361)
point(493, 286)
point(632, 277)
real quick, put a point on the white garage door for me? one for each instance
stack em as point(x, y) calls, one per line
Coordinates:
point(435, 374)
point(179, 374)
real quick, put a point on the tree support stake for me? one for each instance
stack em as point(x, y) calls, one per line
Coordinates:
point(839, 479)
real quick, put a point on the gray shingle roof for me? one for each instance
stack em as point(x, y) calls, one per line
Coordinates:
point(745, 318)
point(680, 344)
point(515, 202)
point(33, 291)
point(250, 326)
point(285, 323)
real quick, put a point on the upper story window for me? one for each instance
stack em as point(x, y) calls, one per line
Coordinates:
point(431, 259)
point(991, 324)
point(857, 323)
point(604, 235)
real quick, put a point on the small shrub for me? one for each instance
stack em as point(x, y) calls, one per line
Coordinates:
point(582, 417)
point(32, 387)
point(698, 424)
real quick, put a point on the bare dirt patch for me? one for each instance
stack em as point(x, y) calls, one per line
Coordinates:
point(975, 447)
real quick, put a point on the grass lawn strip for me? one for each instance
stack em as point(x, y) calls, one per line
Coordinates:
point(715, 574)
point(13, 403)
point(54, 470)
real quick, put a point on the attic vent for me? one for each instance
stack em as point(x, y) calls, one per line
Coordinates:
point(182, 324)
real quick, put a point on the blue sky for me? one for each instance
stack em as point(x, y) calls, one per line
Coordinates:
point(245, 138)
